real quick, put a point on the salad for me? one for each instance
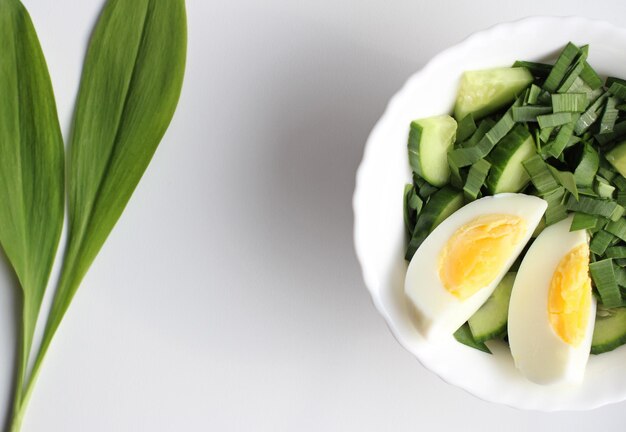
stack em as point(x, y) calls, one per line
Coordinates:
point(515, 217)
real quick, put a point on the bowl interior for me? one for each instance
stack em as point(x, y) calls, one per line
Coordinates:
point(379, 231)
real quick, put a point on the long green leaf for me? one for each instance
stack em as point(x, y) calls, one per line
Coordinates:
point(31, 168)
point(131, 83)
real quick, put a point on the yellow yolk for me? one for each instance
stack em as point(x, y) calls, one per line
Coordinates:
point(475, 254)
point(570, 296)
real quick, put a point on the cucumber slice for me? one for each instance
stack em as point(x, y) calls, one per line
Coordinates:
point(490, 320)
point(507, 172)
point(617, 157)
point(609, 331)
point(441, 204)
point(484, 91)
point(464, 335)
point(429, 142)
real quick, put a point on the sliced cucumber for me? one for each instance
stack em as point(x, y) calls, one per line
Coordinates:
point(429, 142)
point(441, 204)
point(483, 92)
point(609, 331)
point(490, 320)
point(464, 335)
point(507, 172)
point(617, 157)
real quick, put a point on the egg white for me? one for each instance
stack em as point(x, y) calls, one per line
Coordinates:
point(539, 353)
point(437, 313)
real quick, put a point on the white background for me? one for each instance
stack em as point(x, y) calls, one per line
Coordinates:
point(228, 297)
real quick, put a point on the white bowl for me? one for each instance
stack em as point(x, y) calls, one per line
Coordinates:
point(378, 228)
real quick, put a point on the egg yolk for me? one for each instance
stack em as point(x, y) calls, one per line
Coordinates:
point(569, 297)
point(476, 253)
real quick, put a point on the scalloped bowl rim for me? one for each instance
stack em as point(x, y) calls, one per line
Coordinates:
point(383, 274)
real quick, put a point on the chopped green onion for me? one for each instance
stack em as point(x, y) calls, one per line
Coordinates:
point(476, 179)
point(529, 113)
point(596, 206)
point(609, 116)
point(553, 120)
point(620, 274)
point(619, 131)
point(556, 147)
point(591, 77)
point(540, 175)
point(545, 134)
point(616, 252)
point(603, 277)
point(556, 210)
point(621, 198)
point(533, 94)
point(587, 168)
point(537, 69)
point(566, 179)
point(569, 102)
point(465, 128)
point(600, 241)
point(603, 188)
point(558, 71)
point(479, 134)
point(583, 221)
point(617, 88)
point(620, 182)
point(617, 228)
point(427, 190)
point(572, 75)
point(590, 116)
point(501, 128)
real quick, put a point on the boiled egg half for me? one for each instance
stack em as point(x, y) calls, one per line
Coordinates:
point(552, 311)
point(461, 262)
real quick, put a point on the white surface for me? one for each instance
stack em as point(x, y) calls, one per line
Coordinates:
point(379, 226)
point(239, 305)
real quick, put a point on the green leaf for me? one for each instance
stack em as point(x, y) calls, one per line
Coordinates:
point(31, 167)
point(131, 83)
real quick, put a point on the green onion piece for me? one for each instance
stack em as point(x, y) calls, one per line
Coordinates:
point(465, 128)
point(529, 113)
point(553, 120)
point(556, 210)
point(479, 134)
point(616, 252)
point(573, 75)
point(620, 274)
point(600, 241)
point(545, 134)
point(617, 89)
point(603, 277)
point(583, 221)
point(596, 206)
point(603, 188)
point(591, 77)
point(620, 262)
point(617, 228)
point(580, 86)
point(465, 336)
point(457, 174)
point(558, 71)
point(566, 179)
point(502, 127)
point(556, 147)
point(621, 107)
point(590, 116)
point(587, 168)
point(540, 175)
point(476, 179)
point(620, 182)
point(621, 198)
point(533, 94)
point(539, 70)
point(412, 207)
point(427, 190)
point(606, 170)
point(569, 102)
point(619, 131)
point(609, 116)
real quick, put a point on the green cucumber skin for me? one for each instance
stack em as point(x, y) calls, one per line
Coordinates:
point(464, 336)
point(442, 204)
point(490, 321)
point(610, 332)
point(517, 140)
point(434, 170)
